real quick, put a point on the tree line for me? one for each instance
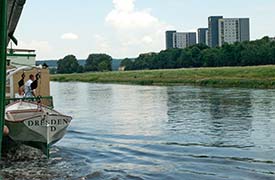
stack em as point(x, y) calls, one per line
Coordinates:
point(259, 52)
point(95, 62)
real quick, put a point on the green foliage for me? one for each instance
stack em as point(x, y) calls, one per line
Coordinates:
point(127, 63)
point(103, 66)
point(95, 62)
point(67, 65)
point(98, 62)
point(80, 69)
point(259, 52)
point(52, 70)
point(248, 77)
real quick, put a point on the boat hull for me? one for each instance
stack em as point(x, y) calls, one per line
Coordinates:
point(37, 128)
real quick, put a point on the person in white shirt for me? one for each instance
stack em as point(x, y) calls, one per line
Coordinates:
point(28, 90)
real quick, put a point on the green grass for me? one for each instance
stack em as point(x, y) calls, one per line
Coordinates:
point(247, 77)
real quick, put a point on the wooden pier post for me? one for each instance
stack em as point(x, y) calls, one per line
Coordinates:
point(3, 57)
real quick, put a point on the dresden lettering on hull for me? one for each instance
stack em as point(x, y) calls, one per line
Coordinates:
point(52, 123)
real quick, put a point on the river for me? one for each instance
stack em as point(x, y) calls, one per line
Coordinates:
point(151, 132)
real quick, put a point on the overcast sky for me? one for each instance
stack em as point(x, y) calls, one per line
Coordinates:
point(126, 28)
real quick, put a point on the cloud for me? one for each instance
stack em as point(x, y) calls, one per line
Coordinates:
point(69, 36)
point(123, 5)
point(147, 39)
point(135, 31)
point(125, 16)
point(101, 43)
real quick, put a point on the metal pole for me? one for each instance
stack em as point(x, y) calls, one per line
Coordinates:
point(3, 57)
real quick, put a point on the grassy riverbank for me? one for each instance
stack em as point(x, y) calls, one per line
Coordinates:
point(248, 77)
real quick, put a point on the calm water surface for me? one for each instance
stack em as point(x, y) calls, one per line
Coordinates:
point(146, 132)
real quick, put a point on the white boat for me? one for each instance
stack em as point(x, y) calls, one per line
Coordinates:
point(31, 120)
point(35, 125)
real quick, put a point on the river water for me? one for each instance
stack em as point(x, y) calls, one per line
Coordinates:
point(149, 132)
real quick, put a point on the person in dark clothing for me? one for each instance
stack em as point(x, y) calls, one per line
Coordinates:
point(21, 86)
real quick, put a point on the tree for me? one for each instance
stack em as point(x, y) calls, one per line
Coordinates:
point(80, 69)
point(98, 62)
point(211, 57)
point(127, 63)
point(103, 66)
point(259, 52)
point(185, 59)
point(196, 56)
point(67, 65)
point(53, 70)
point(228, 57)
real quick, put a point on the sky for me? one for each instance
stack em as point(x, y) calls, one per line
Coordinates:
point(126, 28)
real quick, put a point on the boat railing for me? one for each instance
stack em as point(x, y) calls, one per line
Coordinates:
point(45, 100)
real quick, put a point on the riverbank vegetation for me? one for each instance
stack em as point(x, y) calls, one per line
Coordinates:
point(253, 53)
point(259, 52)
point(232, 65)
point(248, 77)
point(94, 63)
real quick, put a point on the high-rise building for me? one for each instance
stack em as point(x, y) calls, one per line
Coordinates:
point(184, 39)
point(233, 30)
point(213, 30)
point(203, 36)
point(169, 39)
point(176, 39)
point(179, 40)
point(244, 29)
point(191, 38)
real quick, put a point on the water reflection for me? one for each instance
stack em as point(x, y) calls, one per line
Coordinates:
point(115, 108)
point(218, 116)
point(229, 117)
point(138, 110)
point(225, 104)
point(148, 132)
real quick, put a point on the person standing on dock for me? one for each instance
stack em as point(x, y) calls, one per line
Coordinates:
point(21, 91)
point(28, 90)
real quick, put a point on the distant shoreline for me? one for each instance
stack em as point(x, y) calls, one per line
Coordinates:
point(245, 77)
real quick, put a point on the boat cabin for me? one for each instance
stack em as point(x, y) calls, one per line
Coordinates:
point(17, 78)
point(21, 57)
